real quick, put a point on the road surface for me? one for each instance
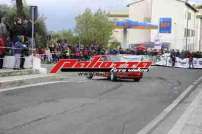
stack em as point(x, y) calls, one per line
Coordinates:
point(99, 106)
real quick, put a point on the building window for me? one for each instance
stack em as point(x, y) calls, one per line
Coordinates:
point(189, 16)
point(189, 33)
point(185, 32)
point(193, 33)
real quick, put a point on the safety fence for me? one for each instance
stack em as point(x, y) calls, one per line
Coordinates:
point(32, 59)
point(165, 60)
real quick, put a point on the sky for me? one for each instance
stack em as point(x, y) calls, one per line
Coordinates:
point(60, 14)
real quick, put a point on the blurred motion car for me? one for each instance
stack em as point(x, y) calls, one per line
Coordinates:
point(136, 75)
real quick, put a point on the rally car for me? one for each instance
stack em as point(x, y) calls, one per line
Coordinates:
point(114, 75)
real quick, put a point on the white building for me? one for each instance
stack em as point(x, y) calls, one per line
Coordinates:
point(199, 16)
point(178, 24)
point(117, 34)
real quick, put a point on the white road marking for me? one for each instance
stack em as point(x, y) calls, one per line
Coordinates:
point(40, 84)
point(149, 127)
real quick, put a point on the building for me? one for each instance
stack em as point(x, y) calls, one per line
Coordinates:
point(178, 23)
point(199, 16)
point(117, 34)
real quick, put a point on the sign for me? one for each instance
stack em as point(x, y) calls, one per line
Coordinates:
point(165, 25)
point(34, 11)
point(97, 65)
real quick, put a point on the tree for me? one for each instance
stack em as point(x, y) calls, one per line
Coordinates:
point(10, 15)
point(19, 6)
point(67, 35)
point(4, 10)
point(94, 28)
point(41, 33)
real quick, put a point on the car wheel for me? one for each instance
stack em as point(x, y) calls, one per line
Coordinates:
point(113, 77)
point(90, 76)
point(137, 79)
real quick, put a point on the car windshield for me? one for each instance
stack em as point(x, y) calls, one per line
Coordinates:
point(125, 58)
point(115, 58)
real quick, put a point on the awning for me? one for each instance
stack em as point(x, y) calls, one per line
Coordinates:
point(132, 24)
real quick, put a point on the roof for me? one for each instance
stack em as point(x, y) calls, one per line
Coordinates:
point(191, 7)
point(184, 1)
point(124, 14)
point(134, 2)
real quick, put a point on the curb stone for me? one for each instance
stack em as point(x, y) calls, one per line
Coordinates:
point(156, 121)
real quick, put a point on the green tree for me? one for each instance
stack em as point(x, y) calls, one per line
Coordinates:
point(11, 13)
point(67, 35)
point(4, 9)
point(20, 8)
point(94, 28)
point(41, 33)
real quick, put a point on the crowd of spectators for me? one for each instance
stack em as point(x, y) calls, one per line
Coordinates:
point(17, 45)
point(184, 54)
point(62, 50)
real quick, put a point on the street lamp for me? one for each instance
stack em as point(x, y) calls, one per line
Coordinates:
point(34, 15)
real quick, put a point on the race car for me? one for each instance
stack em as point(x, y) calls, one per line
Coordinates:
point(115, 75)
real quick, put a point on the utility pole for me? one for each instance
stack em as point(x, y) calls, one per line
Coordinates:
point(187, 29)
point(32, 9)
point(34, 15)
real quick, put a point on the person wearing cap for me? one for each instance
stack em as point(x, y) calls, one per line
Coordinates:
point(24, 52)
point(17, 52)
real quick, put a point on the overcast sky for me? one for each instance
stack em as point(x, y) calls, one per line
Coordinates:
point(60, 14)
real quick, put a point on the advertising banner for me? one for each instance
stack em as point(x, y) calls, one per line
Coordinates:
point(181, 63)
point(165, 25)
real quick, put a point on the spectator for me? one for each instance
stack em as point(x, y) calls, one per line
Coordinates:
point(2, 52)
point(52, 48)
point(23, 54)
point(121, 51)
point(17, 52)
point(173, 57)
point(78, 53)
point(86, 53)
point(3, 38)
point(66, 53)
point(190, 56)
point(178, 53)
point(48, 55)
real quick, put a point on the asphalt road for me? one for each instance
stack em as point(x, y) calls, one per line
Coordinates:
point(96, 106)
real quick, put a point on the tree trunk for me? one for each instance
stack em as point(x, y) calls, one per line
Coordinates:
point(19, 5)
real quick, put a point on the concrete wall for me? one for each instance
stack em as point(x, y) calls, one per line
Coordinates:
point(139, 11)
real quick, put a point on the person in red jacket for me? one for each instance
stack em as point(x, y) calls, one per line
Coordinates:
point(86, 53)
point(2, 51)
